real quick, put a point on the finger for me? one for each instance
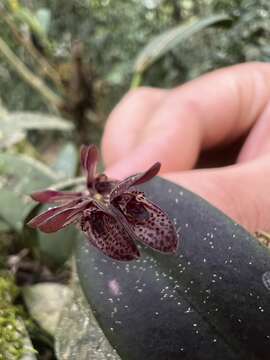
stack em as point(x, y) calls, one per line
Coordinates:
point(244, 201)
point(214, 109)
point(126, 121)
point(258, 141)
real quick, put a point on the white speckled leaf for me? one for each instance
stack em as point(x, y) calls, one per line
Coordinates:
point(210, 300)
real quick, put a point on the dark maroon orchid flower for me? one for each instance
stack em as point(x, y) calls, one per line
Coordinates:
point(112, 214)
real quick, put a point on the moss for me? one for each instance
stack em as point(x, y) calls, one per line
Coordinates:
point(12, 333)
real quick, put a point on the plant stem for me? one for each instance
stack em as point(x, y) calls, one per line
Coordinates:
point(136, 80)
point(44, 65)
point(29, 77)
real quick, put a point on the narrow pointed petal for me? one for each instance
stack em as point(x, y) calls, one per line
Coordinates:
point(60, 220)
point(55, 219)
point(39, 219)
point(137, 179)
point(83, 156)
point(89, 159)
point(148, 174)
point(51, 196)
point(108, 235)
point(149, 223)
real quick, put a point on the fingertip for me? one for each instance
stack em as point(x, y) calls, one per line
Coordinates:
point(127, 120)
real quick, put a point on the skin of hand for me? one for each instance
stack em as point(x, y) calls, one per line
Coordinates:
point(206, 116)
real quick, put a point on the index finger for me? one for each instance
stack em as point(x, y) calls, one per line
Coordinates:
point(127, 120)
point(216, 108)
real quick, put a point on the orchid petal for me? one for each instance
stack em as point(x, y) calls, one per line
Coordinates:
point(107, 234)
point(51, 196)
point(149, 223)
point(39, 219)
point(60, 220)
point(57, 218)
point(89, 159)
point(137, 179)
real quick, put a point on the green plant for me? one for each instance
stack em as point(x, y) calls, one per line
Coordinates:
point(13, 335)
point(168, 41)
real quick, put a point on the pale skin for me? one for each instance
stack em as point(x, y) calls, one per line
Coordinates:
point(174, 126)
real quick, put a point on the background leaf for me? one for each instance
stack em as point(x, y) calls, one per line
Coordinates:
point(19, 176)
point(168, 40)
point(57, 247)
point(27, 120)
point(26, 16)
point(67, 161)
point(10, 136)
point(14, 125)
point(43, 16)
point(45, 302)
point(14, 208)
point(78, 335)
point(3, 110)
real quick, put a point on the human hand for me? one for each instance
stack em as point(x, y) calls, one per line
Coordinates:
point(175, 126)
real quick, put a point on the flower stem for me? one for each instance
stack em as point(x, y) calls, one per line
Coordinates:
point(136, 80)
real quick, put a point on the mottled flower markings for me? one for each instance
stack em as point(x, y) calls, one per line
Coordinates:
point(112, 214)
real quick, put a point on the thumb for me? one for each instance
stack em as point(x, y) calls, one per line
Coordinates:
point(240, 191)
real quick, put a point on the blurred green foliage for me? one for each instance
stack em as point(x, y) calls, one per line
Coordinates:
point(114, 31)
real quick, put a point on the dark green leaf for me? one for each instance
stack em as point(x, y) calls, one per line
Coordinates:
point(56, 248)
point(209, 301)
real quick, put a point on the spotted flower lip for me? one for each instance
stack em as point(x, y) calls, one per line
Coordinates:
point(113, 215)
